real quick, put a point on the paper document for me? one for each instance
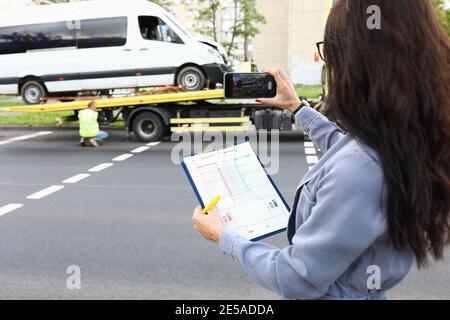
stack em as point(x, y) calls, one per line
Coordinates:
point(250, 203)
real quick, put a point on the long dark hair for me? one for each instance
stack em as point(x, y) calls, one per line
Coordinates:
point(390, 89)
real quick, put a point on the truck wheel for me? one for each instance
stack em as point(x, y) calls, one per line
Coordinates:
point(32, 92)
point(191, 79)
point(148, 127)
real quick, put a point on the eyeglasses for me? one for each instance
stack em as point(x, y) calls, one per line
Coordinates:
point(320, 49)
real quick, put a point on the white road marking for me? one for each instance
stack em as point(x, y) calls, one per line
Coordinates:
point(140, 149)
point(77, 178)
point(45, 192)
point(310, 151)
point(100, 167)
point(153, 144)
point(123, 157)
point(312, 159)
point(308, 144)
point(25, 137)
point(10, 207)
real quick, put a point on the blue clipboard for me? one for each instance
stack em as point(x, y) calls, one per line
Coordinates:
point(197, 193)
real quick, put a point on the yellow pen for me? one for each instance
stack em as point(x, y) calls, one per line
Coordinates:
point(211, 205)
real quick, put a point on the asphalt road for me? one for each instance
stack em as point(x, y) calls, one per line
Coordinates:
point(129, 226)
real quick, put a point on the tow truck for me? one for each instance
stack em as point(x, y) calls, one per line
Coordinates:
point(151, 116)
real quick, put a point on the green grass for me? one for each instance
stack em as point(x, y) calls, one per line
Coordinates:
point(10, 104)
point(37, 118)
point(45, 119)
point(6, 97)
point(33, 118)
point(310, 92)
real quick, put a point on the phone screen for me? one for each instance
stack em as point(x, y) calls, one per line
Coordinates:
point(249, 86)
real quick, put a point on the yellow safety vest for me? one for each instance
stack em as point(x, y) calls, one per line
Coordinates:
point(88, 123)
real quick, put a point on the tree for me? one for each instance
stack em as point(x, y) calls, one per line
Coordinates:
point(246, 28)
point(443, 12)
point(246, 17)
point(208, 15)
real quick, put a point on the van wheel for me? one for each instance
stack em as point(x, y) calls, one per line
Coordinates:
point(191, 79)
point(148, 127)
point(32, 92)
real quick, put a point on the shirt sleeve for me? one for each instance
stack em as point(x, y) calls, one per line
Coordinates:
point(345, 221)
point(323, 132)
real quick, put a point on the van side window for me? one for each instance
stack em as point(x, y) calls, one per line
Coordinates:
point(49, 36)
point(105, 32)
point(155, 29)
point(12, 40)
point(19, 39)
point(93, 33)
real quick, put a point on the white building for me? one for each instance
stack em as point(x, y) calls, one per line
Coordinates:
point(289, 38)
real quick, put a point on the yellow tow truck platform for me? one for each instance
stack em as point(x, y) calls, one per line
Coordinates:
point(150, 117)
point(123, 101)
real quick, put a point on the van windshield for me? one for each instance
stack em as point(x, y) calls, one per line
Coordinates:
point(179, 26)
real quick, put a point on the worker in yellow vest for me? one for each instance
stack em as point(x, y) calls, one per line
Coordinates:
point(89, 127)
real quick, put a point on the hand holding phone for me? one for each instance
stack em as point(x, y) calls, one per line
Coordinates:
point(249, 85)
point(286, 97)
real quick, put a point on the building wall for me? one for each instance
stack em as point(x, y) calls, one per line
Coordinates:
point(288, 40)
point(270, 48)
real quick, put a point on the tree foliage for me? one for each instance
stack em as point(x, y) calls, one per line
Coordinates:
point(208, 16)
point(443, 13)
point(247, 26)
point(245, 21)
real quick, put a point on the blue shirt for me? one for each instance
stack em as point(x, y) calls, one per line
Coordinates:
point(341, 236)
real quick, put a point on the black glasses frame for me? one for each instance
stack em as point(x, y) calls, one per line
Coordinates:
point(320, 46)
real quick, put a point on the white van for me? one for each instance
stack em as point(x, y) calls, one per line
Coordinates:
point(64, 49)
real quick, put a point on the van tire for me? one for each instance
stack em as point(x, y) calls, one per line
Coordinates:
point(191, 78)
point(32, 92)
point(148, 127)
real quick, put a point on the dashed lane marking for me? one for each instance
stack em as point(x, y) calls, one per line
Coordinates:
point(312, 159)
point(140, 149)
point(45, 192)
point(25, 137)
point(123, 157)
point(10, 207)
point(310, 151)
point(100, 167)
point(77, 178)
point(74, 179)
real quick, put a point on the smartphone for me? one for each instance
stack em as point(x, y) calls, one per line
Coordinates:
point(249, 85)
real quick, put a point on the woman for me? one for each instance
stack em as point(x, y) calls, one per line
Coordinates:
point(379, 198)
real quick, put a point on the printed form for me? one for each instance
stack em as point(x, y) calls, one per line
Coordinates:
point(250, 203)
